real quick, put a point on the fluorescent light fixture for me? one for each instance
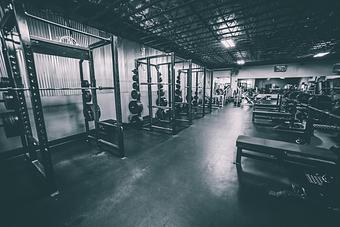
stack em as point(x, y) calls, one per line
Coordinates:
point(228, 43)
point(240, 62)
point(319, 55)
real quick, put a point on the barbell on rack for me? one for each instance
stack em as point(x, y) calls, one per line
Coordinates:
point(58, 89)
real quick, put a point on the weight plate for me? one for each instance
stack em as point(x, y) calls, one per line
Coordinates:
point(135, 85)
point(135, 107)
point(87, 96)
point(135, 94)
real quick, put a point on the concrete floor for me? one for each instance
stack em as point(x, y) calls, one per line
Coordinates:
point(184, 180)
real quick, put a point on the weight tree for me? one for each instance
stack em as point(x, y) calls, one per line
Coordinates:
point(167, 117)
point(15, 35)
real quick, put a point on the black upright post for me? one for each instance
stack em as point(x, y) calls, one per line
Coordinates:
point(211, 89)
point(189, 91)
point(118, 103)
point(173, 114)
point(81, 73)
point(149, 80)
point(204, 87)
point(94, 93)
point(22, 29)
point(169, 83)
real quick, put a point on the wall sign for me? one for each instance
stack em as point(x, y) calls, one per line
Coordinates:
point(280, 68)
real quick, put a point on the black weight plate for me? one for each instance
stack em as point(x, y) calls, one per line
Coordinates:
point(87, 96)
point(9, 100)
point(135, 94)
point(135, 77)
point(12, 124)
point(160, 92)
point(135, 85)
point(135, 107)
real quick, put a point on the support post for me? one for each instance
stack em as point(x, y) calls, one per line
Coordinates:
point(149, 80)
point(211, 90)
point(81, 72)
point(24, 36)
point(118, 103)
point(189, 91)
point(173, 114)
point(204, 87)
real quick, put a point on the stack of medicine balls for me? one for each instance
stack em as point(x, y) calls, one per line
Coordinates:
point(161, 114)
point(135, 105)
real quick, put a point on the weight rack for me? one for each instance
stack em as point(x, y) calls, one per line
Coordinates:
point(173, 125)
point(15, 35)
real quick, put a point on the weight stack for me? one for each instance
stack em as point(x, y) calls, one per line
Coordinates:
point(135, 105)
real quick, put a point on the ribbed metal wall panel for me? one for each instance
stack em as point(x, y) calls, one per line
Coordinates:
point(55, 71)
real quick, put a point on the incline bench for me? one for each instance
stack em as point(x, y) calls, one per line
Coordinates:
point(273, 150)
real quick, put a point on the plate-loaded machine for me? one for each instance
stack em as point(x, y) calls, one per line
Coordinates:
point(14, 36)
point(167, 117)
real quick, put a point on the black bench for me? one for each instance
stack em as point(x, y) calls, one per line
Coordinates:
point(273, 150)
point(272, 115)
point(266, 107)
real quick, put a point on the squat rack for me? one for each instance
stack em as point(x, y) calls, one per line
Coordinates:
point(171, 108)
point(15, 34)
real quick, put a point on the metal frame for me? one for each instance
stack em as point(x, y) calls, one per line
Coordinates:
point(16, 18)
point(170, 68)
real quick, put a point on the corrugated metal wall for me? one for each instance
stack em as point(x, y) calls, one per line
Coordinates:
point(54, 71)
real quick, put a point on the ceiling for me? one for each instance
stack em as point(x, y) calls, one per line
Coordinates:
point(263, 31)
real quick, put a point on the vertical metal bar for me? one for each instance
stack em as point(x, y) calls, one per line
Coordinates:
point(94, 93)
point(204, 87)
point(81, 73)
point(211, 90)
point(169, 84)
point(189, 91)
point(149, 80)
point(13, 73)
point(196, 93)
point(173, 114)
point(118, 103)
point(22, 29)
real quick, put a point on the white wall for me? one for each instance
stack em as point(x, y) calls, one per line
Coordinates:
point(293, 70)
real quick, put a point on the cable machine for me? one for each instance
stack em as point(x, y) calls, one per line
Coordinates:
point(14, 36)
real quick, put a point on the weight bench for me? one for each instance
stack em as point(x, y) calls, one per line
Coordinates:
point(266, 107)
point(272, 115)
point(273, 150)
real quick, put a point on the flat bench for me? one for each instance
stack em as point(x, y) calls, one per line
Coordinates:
point(272, 115)
point(270, 107)
point(273, 150)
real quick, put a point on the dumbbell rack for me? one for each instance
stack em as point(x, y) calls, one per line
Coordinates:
point(15, 35)
point(171, 124)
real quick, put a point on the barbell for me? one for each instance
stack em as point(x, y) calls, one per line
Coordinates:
point(58, 89)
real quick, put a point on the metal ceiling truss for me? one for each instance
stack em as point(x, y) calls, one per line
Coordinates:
point(262, 30)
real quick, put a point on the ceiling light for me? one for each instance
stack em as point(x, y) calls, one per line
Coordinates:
point(240, 62)
point(319, 55)
point(228, 43)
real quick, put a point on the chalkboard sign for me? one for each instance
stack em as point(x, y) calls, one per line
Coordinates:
point(280, 68)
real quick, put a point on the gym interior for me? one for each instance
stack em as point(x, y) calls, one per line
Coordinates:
point(169, 113)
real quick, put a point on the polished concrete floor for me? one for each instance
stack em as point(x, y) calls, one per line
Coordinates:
point(189, 179)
